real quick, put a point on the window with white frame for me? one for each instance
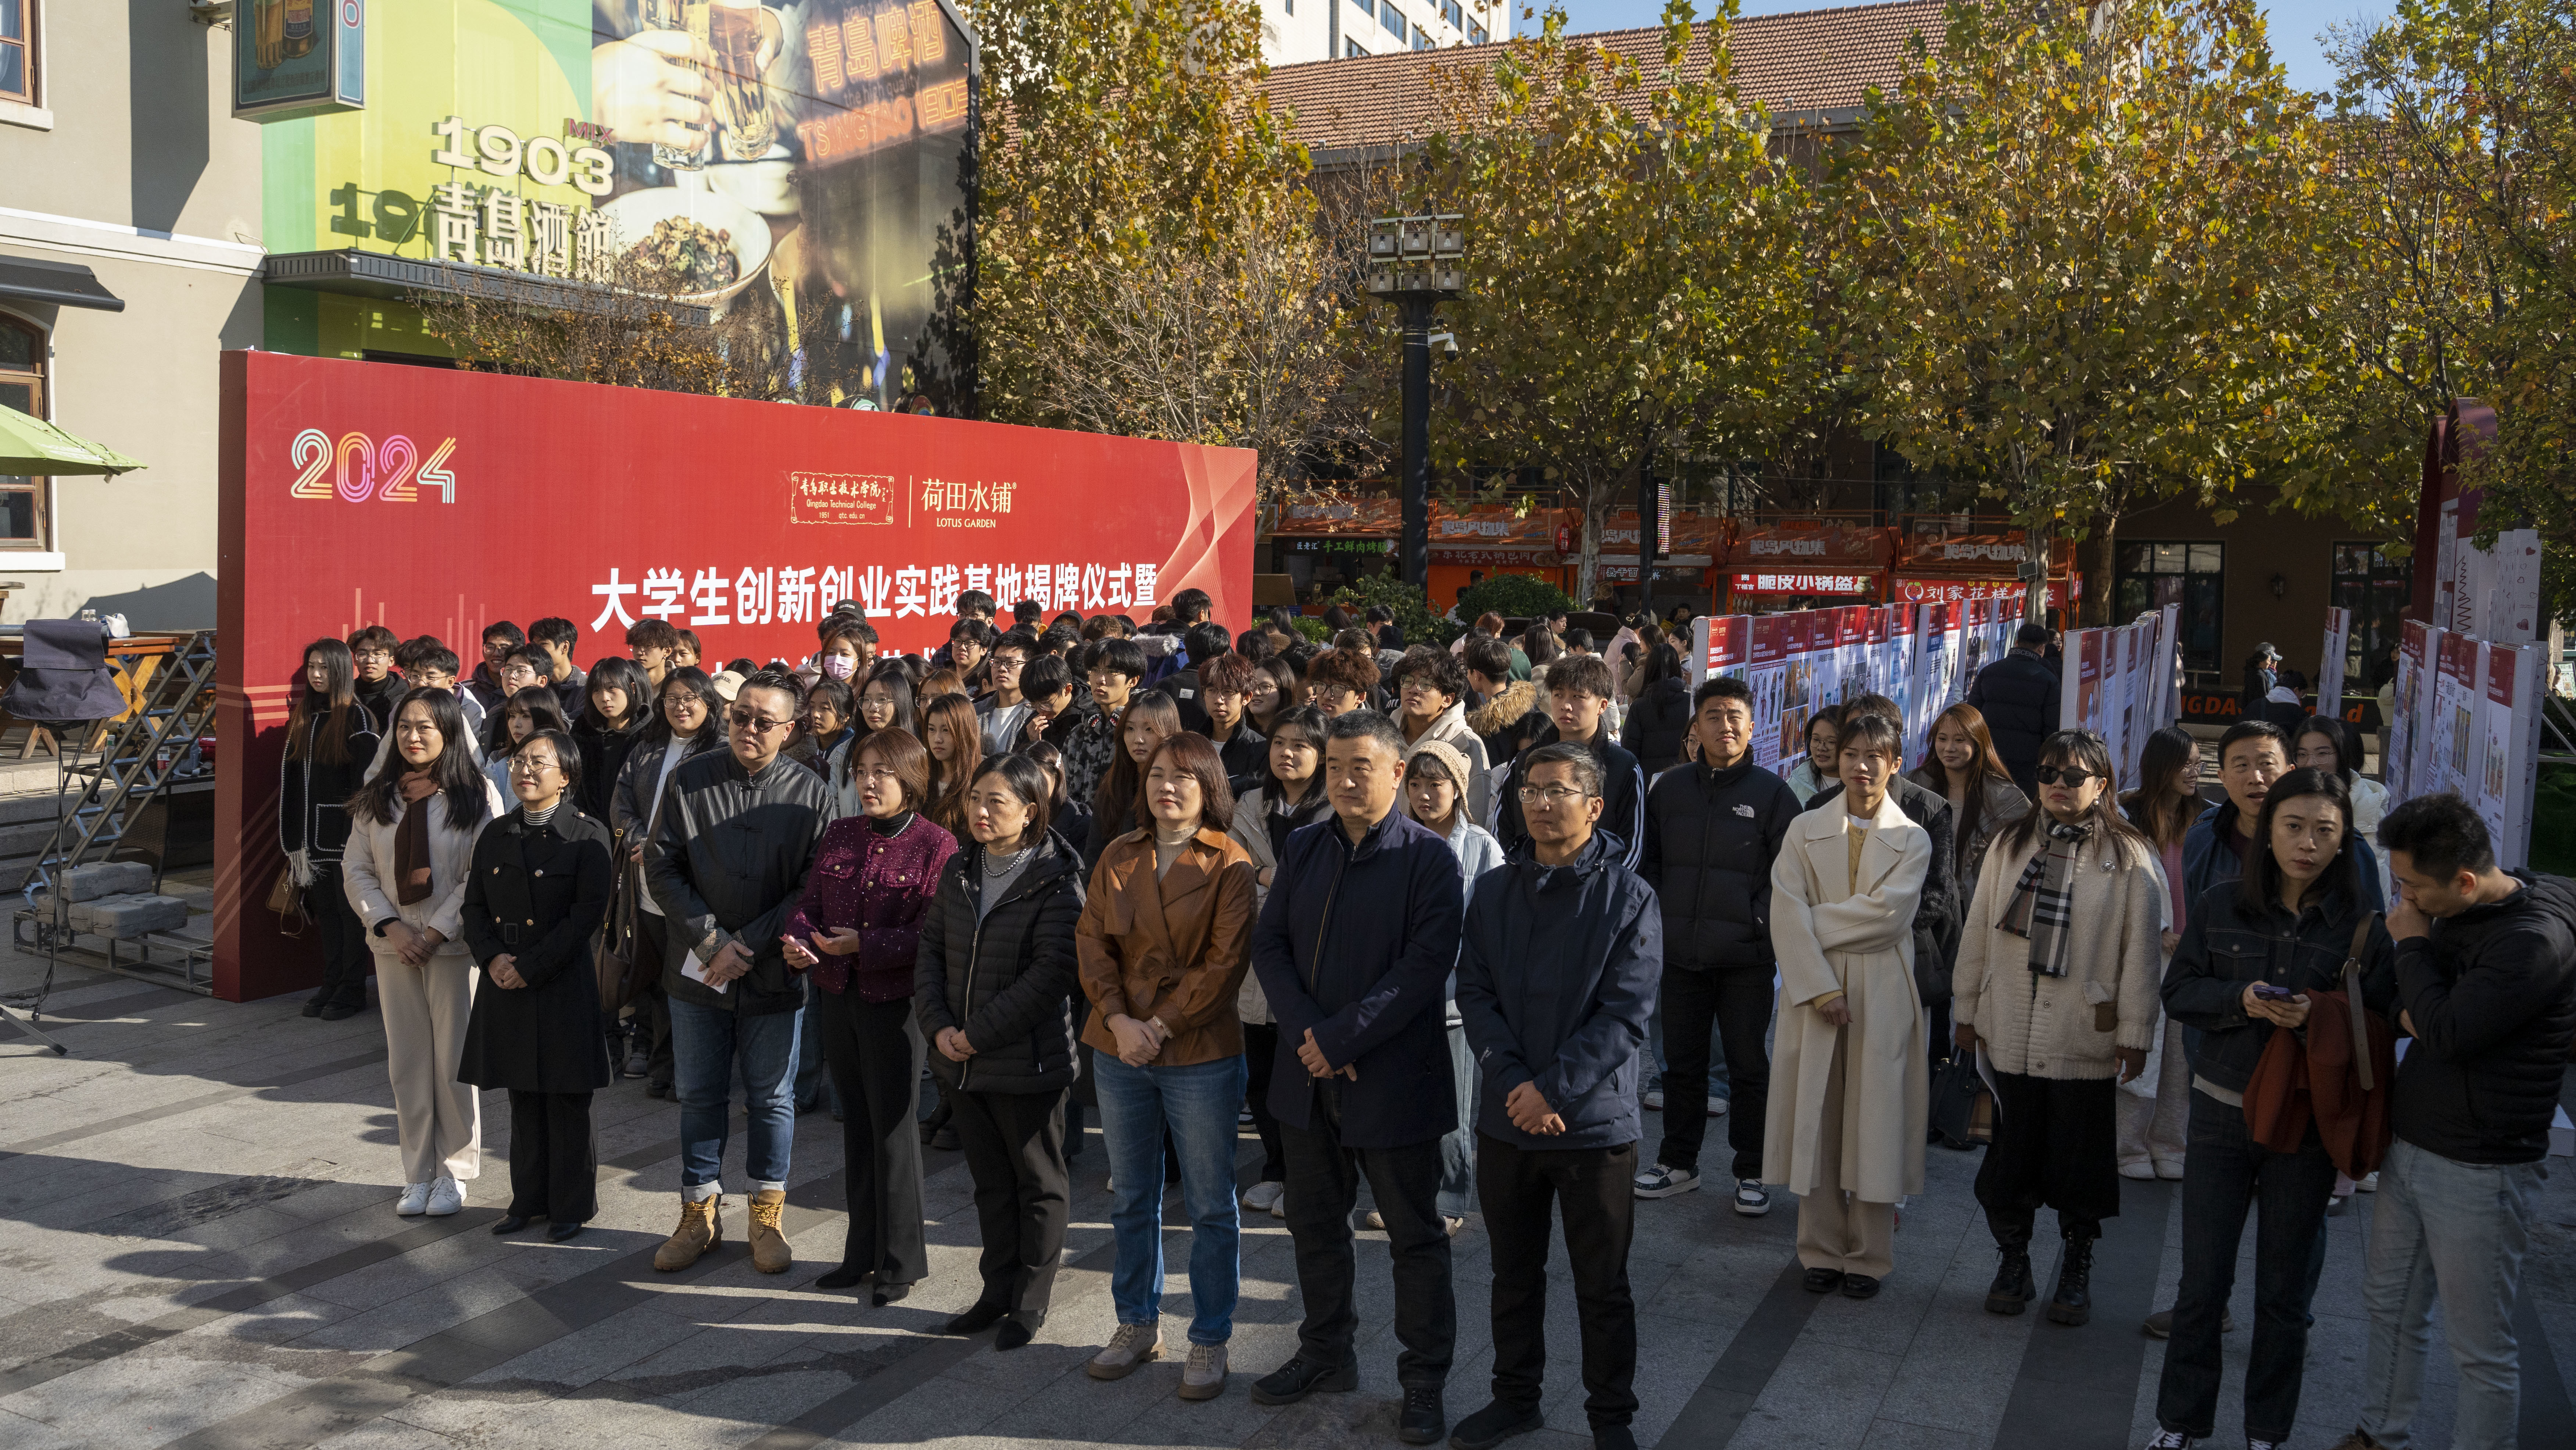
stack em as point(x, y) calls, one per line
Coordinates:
point(18, 51)
point(1392, 19)
point(23, 521)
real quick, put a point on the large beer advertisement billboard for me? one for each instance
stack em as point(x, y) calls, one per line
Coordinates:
point(437, 502)
point(802, 165)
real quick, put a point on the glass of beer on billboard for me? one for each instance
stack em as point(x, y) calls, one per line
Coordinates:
point(742, 35)
point(674, 15)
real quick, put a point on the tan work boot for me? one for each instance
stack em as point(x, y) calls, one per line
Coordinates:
point(701, 1228)
point(769, 1251)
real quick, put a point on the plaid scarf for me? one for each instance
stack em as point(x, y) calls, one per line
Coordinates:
point(2043, 903)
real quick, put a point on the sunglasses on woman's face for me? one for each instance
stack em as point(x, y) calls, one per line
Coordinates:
point(2071, 778)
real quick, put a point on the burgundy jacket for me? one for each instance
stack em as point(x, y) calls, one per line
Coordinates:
point(881, 885)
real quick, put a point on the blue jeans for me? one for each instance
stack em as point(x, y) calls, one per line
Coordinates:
point(1198, 1105)
point(708, 1047)
point(2474, 1263)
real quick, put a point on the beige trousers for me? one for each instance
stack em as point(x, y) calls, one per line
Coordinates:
point(1835, 1232)
point(439, 1119)
point(2151, 1129)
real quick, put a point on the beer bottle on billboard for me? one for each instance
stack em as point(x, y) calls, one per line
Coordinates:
point(297, 35)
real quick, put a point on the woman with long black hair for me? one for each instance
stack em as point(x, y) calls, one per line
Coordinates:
point(995, 974)
point(330, 738)
point(619, 705)
point(2252, 952)
point(2056, 978)
point(2154, 1116)
point(538, 889)
point(411, 848)
point(1149, 719)
point(690, 719)
point(1291, 794)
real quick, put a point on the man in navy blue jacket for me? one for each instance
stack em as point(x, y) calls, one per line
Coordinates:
point(1354, 949)
point(1556, 978)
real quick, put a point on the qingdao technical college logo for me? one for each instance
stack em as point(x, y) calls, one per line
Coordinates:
point(393, 471)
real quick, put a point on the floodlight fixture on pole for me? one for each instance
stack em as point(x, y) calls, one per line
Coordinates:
point(1417, 262)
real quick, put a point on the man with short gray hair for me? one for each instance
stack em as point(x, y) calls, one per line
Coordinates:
point(1354, 949)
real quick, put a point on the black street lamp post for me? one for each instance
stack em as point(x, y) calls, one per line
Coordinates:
point(1417, 262)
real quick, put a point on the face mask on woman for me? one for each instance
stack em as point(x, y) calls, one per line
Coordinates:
point(838, 666)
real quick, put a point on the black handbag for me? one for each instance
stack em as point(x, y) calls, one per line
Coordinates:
point(1956, 1094)
point(613, 953)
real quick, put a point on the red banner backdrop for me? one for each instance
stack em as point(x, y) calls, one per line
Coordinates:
point(436, 502)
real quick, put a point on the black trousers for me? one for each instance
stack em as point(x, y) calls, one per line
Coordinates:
point(1739, 1003)
point(1260, 1055)
point(346, 959)
point(874, 1049)
point(1014, 1146)
point(652, 1009)
point(1595, 1190)
point(2057, 1143)
point(1323, 1186)
point(2225, 1174)
point(554, 1169)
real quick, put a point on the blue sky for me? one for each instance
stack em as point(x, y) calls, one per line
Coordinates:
point(2296, 25)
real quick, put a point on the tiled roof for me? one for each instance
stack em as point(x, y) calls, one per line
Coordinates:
point(1807, 61)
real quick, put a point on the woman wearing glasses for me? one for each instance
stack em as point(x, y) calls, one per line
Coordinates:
point(995, 970)
point(2065, 1012)
point(857, 933)
point(537, 890)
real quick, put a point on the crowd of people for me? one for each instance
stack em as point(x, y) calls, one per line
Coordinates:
point(1439, 926)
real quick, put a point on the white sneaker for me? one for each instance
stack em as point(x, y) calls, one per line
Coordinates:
point(1279, 1205)
point(1663, 1181)
point(446, 1196)
point(1260, 1196)
point(1751, 1199)
point(415, 1197)
point(1716, 1106)
point(1654, 1100)
point(2369, 1185)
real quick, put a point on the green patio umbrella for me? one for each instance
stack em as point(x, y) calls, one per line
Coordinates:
point(34, 447)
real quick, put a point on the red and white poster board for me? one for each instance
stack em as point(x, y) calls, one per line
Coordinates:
point(2507, 753)
point(1767, 671)
point(437, 502)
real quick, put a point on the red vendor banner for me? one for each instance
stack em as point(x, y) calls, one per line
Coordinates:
point(437, 502)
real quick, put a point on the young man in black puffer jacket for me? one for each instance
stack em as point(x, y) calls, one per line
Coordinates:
point(2486, 960)
point(1713, 828)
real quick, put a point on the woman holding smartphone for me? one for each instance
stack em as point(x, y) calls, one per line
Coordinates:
point(2253, 951)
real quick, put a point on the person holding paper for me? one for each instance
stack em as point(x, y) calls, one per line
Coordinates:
point(726, 863)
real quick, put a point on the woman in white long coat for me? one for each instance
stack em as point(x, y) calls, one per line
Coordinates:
point(1849, 1084)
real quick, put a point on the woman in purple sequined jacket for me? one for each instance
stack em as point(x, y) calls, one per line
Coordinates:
point(857, 929)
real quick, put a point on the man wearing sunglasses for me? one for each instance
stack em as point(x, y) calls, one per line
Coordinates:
point(726, 863)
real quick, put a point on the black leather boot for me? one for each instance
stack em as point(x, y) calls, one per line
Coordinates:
point(2073, 1301)
point(2012, 1287)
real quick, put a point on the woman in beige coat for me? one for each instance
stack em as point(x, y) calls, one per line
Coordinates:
point(1849, 1086)
point(411, 843)
point(2064, 1013)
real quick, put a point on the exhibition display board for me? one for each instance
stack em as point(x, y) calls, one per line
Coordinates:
point(436, 502)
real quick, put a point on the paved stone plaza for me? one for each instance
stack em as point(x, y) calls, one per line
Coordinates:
point(201, 1250)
